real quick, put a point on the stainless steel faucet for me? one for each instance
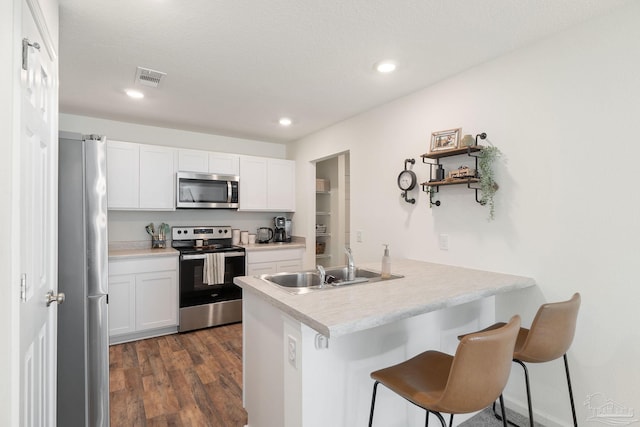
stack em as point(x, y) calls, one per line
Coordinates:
point(351, 266)
point(322, 274)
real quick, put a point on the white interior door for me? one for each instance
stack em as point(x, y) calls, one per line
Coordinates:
point(38, 221)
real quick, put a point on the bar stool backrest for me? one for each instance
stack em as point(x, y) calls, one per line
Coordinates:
point(551, 332)
point(480, 369)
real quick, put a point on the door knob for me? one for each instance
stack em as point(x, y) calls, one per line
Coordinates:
point(54, 298)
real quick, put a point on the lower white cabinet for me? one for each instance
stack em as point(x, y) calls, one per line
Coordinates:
point(274, 261)
point(143, 297)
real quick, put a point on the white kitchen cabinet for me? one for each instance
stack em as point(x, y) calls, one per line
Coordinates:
point(267, 184)
point(273, 261)
point(281, 188)
point(253, 183)
point(123, 174)
point(224, 163)
point(208, 162)
point(157, 178)
point(143, 297)
point(153, 308)
point(140, 176)
point(122, 313)
point(193, 161)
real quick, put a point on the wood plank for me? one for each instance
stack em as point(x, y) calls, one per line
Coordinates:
point(189, 379)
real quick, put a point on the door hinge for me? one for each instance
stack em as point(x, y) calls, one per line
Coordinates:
point(23, 287)
point(25, 52)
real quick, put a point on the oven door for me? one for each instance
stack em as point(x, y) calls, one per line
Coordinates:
point(193, 290)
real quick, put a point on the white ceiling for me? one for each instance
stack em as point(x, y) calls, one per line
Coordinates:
point(235, 66)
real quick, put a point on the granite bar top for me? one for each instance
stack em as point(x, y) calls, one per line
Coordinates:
point(425, 287)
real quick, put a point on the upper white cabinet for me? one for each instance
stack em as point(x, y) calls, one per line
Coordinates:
point(208, 162)
point(140, 176)
point(157, 177)
point(224, 163)
point(267, 184)
point(193, 161)
point(123, 174)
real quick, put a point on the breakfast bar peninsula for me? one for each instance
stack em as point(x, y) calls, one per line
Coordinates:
point(308, 356)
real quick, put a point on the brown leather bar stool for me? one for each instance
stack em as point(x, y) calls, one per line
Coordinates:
point(549, 337)
point(467, 382)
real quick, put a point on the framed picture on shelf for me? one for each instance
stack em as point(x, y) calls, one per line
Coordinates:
point(445, 139)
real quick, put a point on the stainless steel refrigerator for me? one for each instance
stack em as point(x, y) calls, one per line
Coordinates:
point(83, 333)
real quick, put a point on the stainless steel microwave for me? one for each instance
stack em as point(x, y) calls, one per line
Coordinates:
point(206, 191)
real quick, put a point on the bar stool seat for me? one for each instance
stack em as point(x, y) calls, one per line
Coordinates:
point(467, 382)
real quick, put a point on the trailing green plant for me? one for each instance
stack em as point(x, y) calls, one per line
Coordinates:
point(488, 185)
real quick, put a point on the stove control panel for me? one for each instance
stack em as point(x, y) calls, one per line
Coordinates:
point(200, 232)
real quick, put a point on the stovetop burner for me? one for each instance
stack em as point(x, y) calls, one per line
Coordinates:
point(213, 239)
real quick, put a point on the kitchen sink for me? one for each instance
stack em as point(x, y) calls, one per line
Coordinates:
point(304, 279)
point(307, 281)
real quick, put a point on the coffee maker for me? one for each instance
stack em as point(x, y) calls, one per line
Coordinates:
point(280, 232)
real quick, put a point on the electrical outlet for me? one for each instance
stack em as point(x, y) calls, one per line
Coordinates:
point(292, 350)
point(359, 236)
point(443, 241)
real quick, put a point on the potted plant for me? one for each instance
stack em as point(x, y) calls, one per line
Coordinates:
point(488, 185)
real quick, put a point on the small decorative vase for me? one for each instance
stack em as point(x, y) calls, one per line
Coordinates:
point(467, 141)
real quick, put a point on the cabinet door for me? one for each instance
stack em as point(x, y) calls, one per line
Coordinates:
point(156, 300)
point(121, 304)
point(123, 170)
point(193, 161)
point(157, 177)
point(253, 183)
point(290, 266)
point(281, 187)
point(224, 164)
point(261, 268)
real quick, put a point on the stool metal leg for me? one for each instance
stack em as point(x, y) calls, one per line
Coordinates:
point(440, 417)
point(373, 403)
point(526, 381)
point(573, 406)
point(504, 414)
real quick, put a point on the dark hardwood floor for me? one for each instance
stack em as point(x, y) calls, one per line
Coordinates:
point(189, 379)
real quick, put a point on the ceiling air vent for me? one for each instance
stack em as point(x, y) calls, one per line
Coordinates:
point(148, 77)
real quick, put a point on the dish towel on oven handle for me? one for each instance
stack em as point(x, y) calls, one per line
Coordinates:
point(213, 271)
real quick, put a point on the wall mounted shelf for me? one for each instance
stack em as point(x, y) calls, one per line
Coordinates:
point(433, 160)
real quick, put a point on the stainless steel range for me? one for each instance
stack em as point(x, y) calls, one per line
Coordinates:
point(208, 299)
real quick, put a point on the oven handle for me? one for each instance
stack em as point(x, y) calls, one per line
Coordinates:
point(203, 256)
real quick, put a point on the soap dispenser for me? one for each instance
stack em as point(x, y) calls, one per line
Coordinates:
point(386, 263)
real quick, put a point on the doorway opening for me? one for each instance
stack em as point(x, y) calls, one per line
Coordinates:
point(332, 210)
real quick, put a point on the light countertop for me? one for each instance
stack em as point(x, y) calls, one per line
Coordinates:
point(273, 246)
point(136, 249)
point(425, 287)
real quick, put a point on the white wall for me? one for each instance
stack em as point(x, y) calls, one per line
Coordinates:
point(128, 225)
point(132, 132)
point(567, 213)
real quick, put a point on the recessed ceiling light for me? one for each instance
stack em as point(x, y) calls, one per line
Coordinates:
point(285, 121)
point(134, 94)
point(385, 66)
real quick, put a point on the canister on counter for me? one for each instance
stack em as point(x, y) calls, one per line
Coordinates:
point(235, 236)
point(244, 237)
